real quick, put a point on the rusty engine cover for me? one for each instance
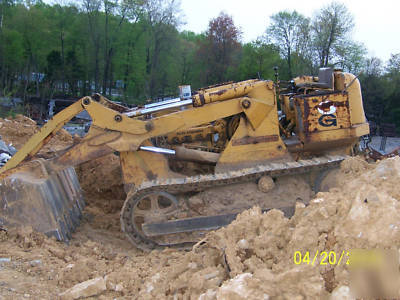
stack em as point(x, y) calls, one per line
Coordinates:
point(322, 112)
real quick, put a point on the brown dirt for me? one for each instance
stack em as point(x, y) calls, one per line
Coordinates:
point(236, 198)
point(18, 130)
point(250, 259)
point(101, 182)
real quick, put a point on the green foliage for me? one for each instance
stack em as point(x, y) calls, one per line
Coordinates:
point(258, 60)
point(290, 33)
point(132, 50)
point(381, 93)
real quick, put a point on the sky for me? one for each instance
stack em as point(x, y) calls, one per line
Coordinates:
point(377, 24)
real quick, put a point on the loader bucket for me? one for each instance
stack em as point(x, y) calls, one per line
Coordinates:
point(52, 204)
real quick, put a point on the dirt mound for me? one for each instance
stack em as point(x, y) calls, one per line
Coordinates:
point(254, 256)
point(101, 181)
point(17, 131)
point(35, 266)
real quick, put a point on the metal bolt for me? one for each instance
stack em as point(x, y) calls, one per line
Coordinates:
point(86, 101)
point(118, 118)
point(149, 126)
point(96, 97)
point(246, 104)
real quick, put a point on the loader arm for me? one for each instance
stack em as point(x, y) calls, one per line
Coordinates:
point(40, 139)
point(114, 130)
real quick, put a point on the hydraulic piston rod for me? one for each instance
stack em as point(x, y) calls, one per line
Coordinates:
point(149, 110)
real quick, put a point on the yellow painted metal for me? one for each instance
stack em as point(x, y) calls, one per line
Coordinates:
point(106, 118)
point(359, 129)
point(262, 125)
point(225, 86)
point(257, 111)
point(352, 86)
point(88, 149)
point(201, 135)
point(39, 139)
point(352, 133)
point(111, 130)
point(305, 79)
point(222, 94)
point(135, 131)
point(139, 166)
point(251, 145)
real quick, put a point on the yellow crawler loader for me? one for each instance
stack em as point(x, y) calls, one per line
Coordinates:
point(234, 133)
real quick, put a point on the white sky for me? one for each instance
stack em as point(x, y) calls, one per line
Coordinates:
point(377, 24)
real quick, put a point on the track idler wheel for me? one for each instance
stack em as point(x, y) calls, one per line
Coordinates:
point(147, 208)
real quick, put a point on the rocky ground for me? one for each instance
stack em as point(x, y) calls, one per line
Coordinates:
point(253, 258)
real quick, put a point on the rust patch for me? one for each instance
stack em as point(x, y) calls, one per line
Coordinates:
point(255, 140)
point(218, 93)
point(306, 114)
point(342, 103)
point(189, 132)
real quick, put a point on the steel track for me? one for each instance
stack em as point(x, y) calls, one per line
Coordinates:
point(202, 182)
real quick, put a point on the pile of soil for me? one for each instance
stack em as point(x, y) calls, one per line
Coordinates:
point(17, 131)
point(254, 256)
point(101, 181)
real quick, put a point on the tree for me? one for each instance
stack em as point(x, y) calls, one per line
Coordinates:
point(218, 51)
point(373, 67)
point(381, 90)
point(330, 28)
point(92, 9)
point(162, 17)
point(258, 60)
point(64, 17)
point(188, 46)
point(289, 31)
point(351, 56)
point(73, 71)
point(393, 65)
point(373, 89)
point(392, 102)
